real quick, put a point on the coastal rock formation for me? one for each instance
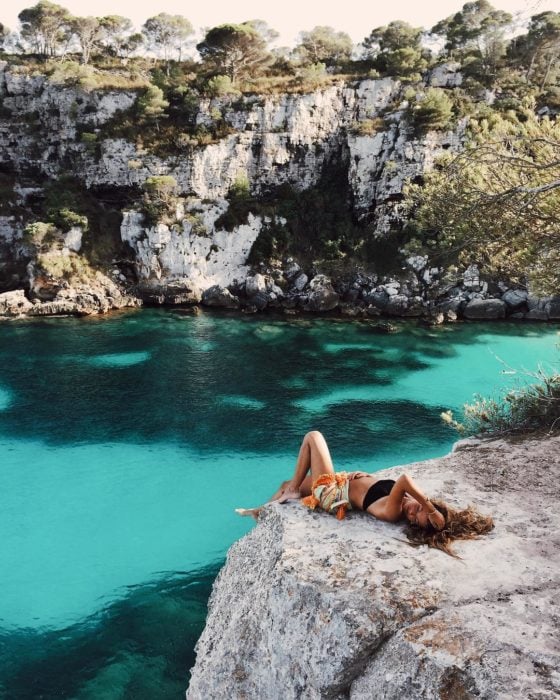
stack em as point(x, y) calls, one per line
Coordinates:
point(96, 296)
point(308, 607)
point(357, 133)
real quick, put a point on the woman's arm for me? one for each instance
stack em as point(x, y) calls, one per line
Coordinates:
point(392, 508)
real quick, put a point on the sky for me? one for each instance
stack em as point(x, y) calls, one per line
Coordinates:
point(288, 17)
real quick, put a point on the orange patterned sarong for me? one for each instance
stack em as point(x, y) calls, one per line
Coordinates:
point(330, 492)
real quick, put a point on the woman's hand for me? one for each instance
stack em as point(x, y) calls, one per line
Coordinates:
point(436, 519)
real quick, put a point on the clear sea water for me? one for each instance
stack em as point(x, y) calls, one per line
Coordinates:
point(127, 441)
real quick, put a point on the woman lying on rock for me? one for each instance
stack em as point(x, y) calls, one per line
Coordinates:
point(430, 522)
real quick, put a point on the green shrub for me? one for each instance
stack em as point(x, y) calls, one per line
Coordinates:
point(40, 233)
point(160, 185)
point(527, 409)
point(220, 86)
point(89, 78)
point(160, 199)
point(88, 137)
point(313, 76)
point(73, 268)
point(65, 219)
point(241, 187)
point(198, 227)
point(368, 127)
point(432, 109)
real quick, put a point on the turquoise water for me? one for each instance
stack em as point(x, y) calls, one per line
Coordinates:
point(127, 442)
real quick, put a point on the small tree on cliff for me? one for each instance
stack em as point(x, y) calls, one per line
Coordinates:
point(497, 203)
point(151, 105)
point(235, 50)
point(432, 109)
point(159, 202)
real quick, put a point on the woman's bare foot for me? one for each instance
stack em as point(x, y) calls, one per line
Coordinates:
point(289, 495)
point(253, 512)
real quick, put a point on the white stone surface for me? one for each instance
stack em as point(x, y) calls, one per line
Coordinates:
point(73, 239)
point(10, 229)
point(446, 75)
point(217, 257)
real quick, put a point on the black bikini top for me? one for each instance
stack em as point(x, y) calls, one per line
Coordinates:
point(381, 488)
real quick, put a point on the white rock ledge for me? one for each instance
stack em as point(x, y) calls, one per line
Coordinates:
point(310, 607)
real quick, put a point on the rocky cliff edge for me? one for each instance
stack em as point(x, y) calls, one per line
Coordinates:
point(310, 607)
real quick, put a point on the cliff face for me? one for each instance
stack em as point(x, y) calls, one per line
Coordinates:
point(275, 140)
point(309, 607)
point(356, 135)
point(272, 141)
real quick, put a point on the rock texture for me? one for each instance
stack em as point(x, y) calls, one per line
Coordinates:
point(309, 607)
point(195, 252)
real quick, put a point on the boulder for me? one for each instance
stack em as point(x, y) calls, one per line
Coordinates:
point(384, 327)
point(309, 607)
point(255, 285)
point(515, 298)
point(379, 299)
point(372, 311)
point(259, 300)
point(446, 75)
point(552, 308)
point(536, 315)
point(274, 291)
point(537, 303)
point(291, 269)
point(219, 297)
point(300, 281)
point(322, 296)
point(397, 305)
point(471, 278)
point(417, 262)
point(434, 319)
point(178, 292)
point(485, 309)
point(14, 303)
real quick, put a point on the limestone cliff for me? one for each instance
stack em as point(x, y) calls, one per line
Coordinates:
point(310, 607)
point(59, 133)
point(49, 131)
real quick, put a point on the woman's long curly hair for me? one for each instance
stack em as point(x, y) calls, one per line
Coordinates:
point(466, 524)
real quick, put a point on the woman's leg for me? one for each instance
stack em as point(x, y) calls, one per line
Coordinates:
point(313, 454)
